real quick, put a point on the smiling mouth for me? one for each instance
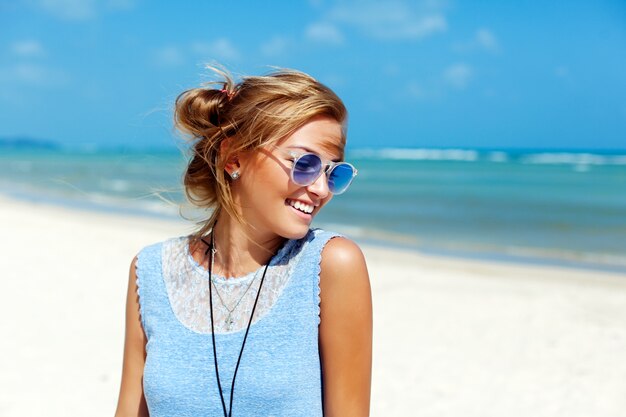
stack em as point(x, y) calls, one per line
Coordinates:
point(300, 206)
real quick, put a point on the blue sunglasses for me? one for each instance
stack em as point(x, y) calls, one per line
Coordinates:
point(307, 168)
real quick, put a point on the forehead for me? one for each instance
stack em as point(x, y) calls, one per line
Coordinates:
point(323, 136)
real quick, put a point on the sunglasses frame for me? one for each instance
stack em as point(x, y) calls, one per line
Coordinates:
point(327, 167)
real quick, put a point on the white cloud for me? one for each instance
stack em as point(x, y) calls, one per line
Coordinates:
point(458, 75)
point(122, 5)
point(561, 71)
point(27, 48)
point(483, 40)
point(421, 91)
point(490, 92)
point(218, 49)
point(390, 20)
point(391, 68)
point(169, 56)
point(414, 90)
point(81, 10)
point(334, 80)
point(278, 45)
point(435, 4)
point(33, 75)
point(69, 9)
point(486, 40)
point(324, 33)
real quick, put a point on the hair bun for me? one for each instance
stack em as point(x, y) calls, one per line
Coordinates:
point(197, 111)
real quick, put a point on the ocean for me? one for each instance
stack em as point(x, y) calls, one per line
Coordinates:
point(554, 207)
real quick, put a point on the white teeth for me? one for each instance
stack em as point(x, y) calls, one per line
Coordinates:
point(301, 206)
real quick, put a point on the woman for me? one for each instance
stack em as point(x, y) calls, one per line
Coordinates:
point(255, 314)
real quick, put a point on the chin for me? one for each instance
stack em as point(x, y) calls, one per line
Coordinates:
point(295, 232)
point(294, 224)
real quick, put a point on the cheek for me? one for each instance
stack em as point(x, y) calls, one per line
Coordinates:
point(268, 183)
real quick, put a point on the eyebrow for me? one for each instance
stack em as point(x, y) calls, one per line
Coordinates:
point(306, 149)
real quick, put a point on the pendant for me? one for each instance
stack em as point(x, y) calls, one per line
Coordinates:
point(230, 322)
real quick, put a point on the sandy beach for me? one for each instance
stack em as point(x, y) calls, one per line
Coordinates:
point(452, 337)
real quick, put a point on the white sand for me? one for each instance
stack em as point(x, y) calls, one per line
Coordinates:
point(452, 337)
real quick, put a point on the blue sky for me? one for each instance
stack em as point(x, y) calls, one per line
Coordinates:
point(427, 73)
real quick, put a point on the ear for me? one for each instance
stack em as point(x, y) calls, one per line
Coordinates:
point(232, 164)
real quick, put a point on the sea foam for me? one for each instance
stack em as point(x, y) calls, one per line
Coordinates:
point(474, 155)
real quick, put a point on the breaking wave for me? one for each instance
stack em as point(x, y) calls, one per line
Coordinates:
point(473, 155)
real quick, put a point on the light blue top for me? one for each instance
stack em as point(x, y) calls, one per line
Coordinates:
point(280, 372)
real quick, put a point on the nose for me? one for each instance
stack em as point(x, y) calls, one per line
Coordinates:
point(320, 186)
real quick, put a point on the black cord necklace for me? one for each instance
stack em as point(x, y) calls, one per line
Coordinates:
point(211, 248)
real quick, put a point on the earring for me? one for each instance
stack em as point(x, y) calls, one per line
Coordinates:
point(235, 175)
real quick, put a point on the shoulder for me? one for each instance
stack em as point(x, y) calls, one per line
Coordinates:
point(341, 252)
point(343, 271)
point(336, 251)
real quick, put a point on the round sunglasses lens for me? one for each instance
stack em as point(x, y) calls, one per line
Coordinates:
point(340, 178)
point(307, 169)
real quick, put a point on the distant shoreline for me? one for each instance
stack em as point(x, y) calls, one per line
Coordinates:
point(537, 208)
point(25, 143)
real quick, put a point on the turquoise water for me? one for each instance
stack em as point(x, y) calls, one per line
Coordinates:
point(527, 205)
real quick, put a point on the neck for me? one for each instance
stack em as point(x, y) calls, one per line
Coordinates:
point(241, 249)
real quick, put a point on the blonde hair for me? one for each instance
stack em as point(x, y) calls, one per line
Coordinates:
point(252, 113)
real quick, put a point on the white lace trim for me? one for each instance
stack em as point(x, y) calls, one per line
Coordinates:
point(187, 286)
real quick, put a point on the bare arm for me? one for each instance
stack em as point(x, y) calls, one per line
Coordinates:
point(345, 330)
point(131, 400)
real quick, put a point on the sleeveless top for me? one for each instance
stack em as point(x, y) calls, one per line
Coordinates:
point(279, 373)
